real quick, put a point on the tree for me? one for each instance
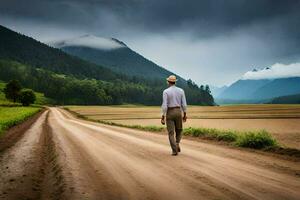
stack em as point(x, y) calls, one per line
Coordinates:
point(191, 84)
point(202, 87)
point(207, 89)
point(27, 97)
point(12, 90)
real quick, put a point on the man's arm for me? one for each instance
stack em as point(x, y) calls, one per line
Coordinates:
point(183, 106)
point(164, 107)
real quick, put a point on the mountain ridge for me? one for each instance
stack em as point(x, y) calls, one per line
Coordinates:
point(122, 60)
point(261, 89)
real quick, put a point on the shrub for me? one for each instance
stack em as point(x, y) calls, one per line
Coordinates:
point(196, 132)
point(27, 97)
point(228, 136)
point(256, 140)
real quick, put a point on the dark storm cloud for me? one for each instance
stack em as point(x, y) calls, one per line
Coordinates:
point(209, 35)
point(204, 17)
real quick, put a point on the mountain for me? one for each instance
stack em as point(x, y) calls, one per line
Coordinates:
point(258, 90)
point(68, 79)
point(278, 87)
point(242, 89)
point(113, 54)
point(290, 99)
point(21, 48)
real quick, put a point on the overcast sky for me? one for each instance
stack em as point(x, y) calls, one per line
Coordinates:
point(210, 41)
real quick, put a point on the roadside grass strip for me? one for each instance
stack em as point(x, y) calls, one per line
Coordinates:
point(11, 116)
point(251, 139)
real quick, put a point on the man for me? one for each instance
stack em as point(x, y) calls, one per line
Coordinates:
point(174, 103)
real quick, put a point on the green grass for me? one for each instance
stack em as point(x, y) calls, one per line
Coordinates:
point(10, 116)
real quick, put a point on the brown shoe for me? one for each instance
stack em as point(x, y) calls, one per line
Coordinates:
point(174, 153)
point(178, 147)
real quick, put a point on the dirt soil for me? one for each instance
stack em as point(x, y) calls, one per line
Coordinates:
point(61, 157)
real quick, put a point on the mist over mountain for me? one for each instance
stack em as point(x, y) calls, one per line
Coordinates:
point(91, 41)
point(275, 71)
point(265, 84)
point(114, 55)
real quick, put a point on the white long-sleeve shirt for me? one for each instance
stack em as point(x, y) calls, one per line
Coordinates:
point(173, 97)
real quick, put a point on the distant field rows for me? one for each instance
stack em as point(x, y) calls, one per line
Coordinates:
point(283, 121)
point(194, 112)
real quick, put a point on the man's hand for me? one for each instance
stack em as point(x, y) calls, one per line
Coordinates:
point(162, 121)
point(184, 117)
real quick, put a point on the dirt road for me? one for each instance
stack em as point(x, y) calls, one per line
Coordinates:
point(61, 157)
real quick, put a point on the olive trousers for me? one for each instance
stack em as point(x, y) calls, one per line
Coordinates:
point(174, 125)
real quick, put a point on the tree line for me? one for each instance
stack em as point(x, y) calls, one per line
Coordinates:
point(68, 89)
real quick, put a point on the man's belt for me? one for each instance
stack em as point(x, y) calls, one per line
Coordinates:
point(171, 108)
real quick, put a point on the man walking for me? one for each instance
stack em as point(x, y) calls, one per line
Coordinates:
point(174, 103)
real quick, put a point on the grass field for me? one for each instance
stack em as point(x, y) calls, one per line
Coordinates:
point(10, 116)
point(282, 121)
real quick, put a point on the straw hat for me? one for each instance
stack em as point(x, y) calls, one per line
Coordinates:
point(172, 79)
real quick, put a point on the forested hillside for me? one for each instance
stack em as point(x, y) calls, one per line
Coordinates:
point(23, 49)
point(70, 80)
point(70, 90)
